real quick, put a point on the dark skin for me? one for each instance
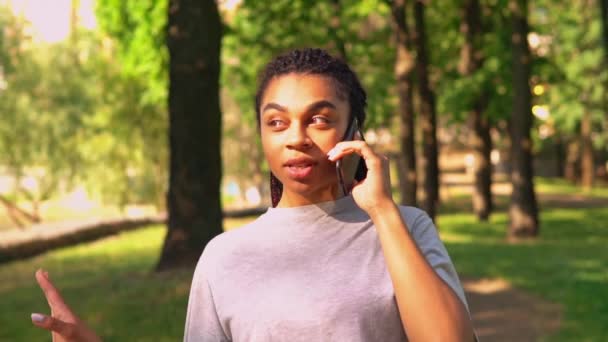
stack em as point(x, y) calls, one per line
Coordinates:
point(303, 119)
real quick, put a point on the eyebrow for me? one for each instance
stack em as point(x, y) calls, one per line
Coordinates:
point(311, 107)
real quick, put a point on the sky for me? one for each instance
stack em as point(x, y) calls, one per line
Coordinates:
point(50, 19)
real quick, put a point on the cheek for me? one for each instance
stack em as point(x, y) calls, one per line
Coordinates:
point(268, 144)
point(271, 154)
point(327, 142)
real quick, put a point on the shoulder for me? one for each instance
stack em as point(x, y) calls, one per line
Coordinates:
point(416, 219)
point(229, 243)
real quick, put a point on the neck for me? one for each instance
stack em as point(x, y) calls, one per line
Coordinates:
point(294, 199)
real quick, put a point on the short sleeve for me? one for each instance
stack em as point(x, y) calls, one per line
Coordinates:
point(202, 321)
point(425, 234)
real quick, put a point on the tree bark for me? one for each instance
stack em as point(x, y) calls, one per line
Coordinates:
point(404, 67)
point(481, 142)
point(428, 120)
point(572, 167)
point(587, 162)
point(471, 60)
point(17, 214)
point(195, 217)
point(523, 210)
point(559, 155)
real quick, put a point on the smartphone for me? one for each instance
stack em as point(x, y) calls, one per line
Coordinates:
point(346, 167)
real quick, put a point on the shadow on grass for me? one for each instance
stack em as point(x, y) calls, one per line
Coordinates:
point(567, 264)
point(109, 283)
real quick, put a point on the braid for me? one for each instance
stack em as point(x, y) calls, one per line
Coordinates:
point(276, 190)
point(316, 62)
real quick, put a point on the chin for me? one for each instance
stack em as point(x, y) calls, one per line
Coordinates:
point(309, 190)
point(299, 187)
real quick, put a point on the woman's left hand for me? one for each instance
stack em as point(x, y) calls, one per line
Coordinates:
point(374, 192)
point(63, 324)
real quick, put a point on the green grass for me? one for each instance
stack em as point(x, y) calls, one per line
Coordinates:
point(563, 187)
point(110, 283)
point(567, 265)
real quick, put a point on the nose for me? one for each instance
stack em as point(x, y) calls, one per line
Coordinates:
point(297, 137)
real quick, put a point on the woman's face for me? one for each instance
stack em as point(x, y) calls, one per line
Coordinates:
point(302, 117)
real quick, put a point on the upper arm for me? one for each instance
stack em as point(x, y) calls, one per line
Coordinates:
point(202, 319)
point(424, 232)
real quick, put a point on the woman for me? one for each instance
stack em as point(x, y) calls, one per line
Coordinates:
point(321, 265)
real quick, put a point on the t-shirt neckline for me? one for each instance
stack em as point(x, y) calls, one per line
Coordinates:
point(315, 210)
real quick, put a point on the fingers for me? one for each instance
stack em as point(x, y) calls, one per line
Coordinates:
point(67, 330)
point(356, 146)
point(53, 297)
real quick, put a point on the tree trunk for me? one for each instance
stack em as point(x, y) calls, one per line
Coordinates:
point(587, 163)
point(195, 216)
point(523, 210)
point(571, 169)
point(481, 142)
point(74, 19)
point(18, 215)
point(559, 155)
point(404, 67)
point(470, 61)
point(428, 120)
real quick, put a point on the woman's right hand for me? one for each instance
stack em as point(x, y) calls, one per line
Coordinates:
point(64, 325)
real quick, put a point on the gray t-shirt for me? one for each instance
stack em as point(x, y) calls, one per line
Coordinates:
point(309, 273)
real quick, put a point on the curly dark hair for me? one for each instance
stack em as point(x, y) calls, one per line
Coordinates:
point(316, 62)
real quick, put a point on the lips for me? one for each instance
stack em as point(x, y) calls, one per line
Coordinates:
point(299, 168)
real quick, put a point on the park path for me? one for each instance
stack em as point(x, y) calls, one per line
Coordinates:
point(503, 313)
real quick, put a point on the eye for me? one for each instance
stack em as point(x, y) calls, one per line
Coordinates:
point(319, 120)
point(276, 123)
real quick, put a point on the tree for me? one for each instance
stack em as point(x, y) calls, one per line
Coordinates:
point(137, 29)
point(134, 100)
point(336, 28)
point(428, 116)
point(471, 60)
point(574, 83)
point(44, 89)
point(523, 211)
point(194, 33)
point(404, 69)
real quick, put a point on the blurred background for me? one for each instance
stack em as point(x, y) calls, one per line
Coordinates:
point(128, 140)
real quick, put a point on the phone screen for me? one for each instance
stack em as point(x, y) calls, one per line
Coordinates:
point(346, 167)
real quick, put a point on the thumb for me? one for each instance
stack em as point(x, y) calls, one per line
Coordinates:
point(66, 330)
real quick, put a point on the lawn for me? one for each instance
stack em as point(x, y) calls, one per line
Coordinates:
point(110, 283)
point(567, 265)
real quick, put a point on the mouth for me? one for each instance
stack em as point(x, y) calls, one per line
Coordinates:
point(299, 168)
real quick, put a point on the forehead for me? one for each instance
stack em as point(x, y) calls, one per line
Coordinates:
point(298, 90)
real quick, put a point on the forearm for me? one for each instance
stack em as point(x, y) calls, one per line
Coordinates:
point(429, 308)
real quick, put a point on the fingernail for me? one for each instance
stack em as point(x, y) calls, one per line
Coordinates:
point(46, 274)
point(38, 318)
point(332, 153)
